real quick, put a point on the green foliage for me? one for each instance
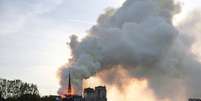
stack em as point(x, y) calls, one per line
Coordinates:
point(28, 97)
point(16, 88)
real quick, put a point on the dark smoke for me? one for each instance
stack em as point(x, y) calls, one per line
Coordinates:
point(139, 37)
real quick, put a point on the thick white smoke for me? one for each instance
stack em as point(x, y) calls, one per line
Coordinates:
point(139, 37)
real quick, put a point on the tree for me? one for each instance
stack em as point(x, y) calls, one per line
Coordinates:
point(29, 97)
point(1, 98)
point(16, 88)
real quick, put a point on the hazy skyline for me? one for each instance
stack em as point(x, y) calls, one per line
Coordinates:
point(33, 35)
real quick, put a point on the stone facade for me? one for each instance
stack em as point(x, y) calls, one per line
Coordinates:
point(89, 94)
point(97, 94)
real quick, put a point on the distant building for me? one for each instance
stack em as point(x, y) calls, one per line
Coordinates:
point(73, 98)
point(100, 93)
point(194, 99)
point(89, 94)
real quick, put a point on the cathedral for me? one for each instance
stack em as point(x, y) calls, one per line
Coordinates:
point(89, 94)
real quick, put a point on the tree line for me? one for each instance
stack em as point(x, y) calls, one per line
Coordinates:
point(29, 97)
point(16, 90)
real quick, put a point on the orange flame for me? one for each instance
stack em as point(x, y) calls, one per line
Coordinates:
point(66, 93)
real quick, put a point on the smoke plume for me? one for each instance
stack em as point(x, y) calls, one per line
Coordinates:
point(140, 38)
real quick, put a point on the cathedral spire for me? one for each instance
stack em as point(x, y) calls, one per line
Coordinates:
point(69, 86)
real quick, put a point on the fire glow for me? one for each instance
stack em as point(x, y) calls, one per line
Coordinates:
point(67, 93)
point(70, 91)
point(131, 89)
point(140, 38)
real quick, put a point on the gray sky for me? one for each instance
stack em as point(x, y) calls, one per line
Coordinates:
point(33, 35)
